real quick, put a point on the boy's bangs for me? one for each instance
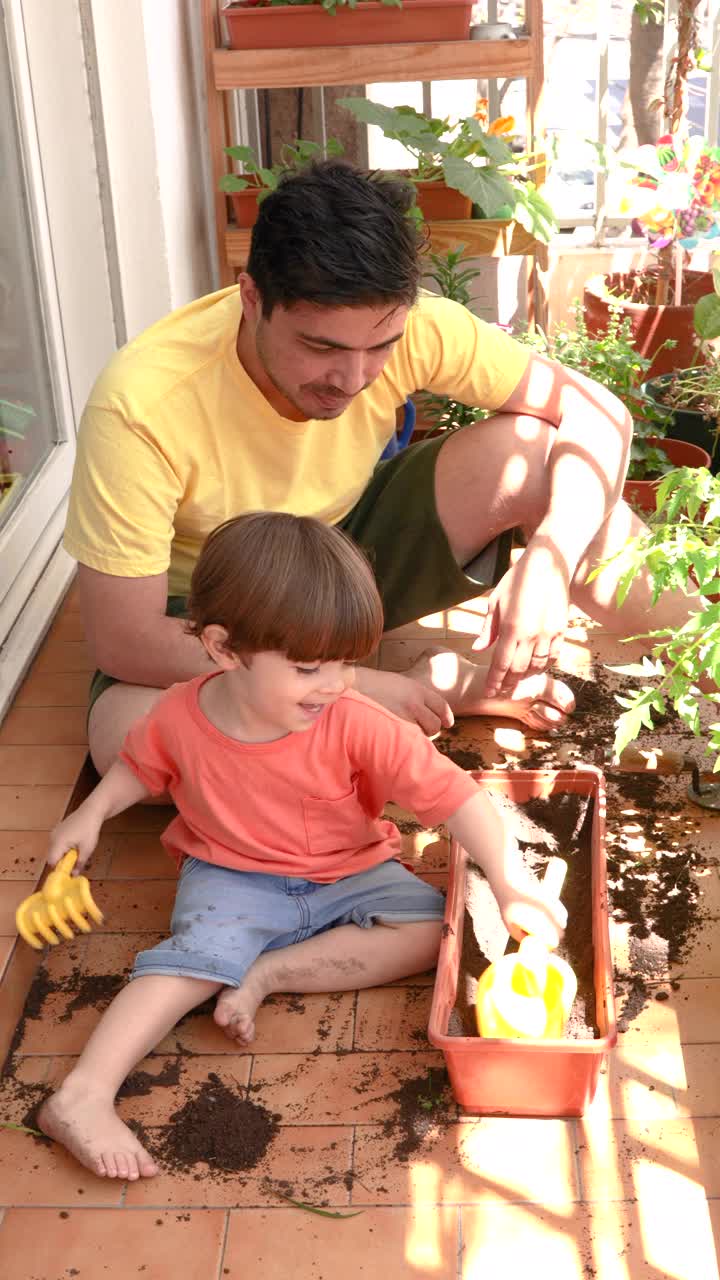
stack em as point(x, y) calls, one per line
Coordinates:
point(327, 625)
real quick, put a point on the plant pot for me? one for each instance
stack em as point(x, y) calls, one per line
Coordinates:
point(245, 204)
point(651, 325)
point(439, 203)
point(310, 26)
point(527, 1077)
point(641, 493)
point(687, 424)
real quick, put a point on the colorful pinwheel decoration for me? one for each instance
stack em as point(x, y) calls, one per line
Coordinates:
point(674, 195)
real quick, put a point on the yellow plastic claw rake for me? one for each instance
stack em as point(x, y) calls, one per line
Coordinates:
point(63, 899)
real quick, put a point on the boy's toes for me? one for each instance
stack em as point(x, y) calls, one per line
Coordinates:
point(241, 1028)
point(147, 1167)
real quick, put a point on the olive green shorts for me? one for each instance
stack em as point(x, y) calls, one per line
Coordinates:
point(397, 525)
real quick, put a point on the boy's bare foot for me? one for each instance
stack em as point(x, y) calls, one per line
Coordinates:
point(91, 1130)
point(236, 1007)
point(539, 701)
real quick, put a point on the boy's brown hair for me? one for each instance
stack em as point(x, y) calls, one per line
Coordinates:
point(286, 583)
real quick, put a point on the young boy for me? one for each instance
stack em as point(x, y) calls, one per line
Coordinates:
point(289, 879)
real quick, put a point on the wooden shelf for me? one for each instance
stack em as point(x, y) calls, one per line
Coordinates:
point(371, 63)
point(482, 238)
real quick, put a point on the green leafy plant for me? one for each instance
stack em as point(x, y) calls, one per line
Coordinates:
point(15, 418)
point(468, 158)
point(681, 545)
point(293, 157)
point(612, 359)
point(430, 1101)
point(453, 277)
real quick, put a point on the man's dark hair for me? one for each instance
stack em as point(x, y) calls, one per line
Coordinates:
point(336, 236)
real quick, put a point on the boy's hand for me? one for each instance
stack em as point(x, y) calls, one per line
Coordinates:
point(79, 831)
point(526, 908)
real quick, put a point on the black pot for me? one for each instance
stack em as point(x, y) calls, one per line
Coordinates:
point(686, 424)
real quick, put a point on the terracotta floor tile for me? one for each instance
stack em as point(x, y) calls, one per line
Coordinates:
point(54, 689)
point(142, 817)
point(426, 851)
point(140, 856)
point(398, 1244)
point(68, 626)
point(20, 970)
point(6, 947)
point(38, 1173)
point(392, 1018)
point(646, 1090)
point(469, 1163)
point(702, 957)
point(58, 1028)
point(64, 655)
point(40, 1245)
point(284, 1024)
point(22, 854)
point(158, 1105)
point(136, 905)
point(44, 726)
point(651, 1240)
point(323, 1089)
point(32, 808)
point(687, 1015)
point(529, 1240)
point(32, 765)
point(649, 1159)
point(702, 1068)
point(13, 892)
point(311, 1164)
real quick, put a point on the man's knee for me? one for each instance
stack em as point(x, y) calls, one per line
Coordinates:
point(111, 716)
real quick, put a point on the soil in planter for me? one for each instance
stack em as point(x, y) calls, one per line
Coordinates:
point(560, 824)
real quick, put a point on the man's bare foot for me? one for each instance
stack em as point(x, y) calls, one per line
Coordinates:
point(236, 1007)
point(539, 701)
point(89, 1127)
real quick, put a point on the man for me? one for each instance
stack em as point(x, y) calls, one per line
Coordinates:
point(282, 394)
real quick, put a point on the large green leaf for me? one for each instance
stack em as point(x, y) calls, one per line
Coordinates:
point(706, 317)
point(485, 187)
point(403, 124)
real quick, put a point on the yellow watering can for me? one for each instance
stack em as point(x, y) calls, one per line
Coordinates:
point(528, 994)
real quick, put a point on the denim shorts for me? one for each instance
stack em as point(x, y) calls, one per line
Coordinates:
point(224, 919)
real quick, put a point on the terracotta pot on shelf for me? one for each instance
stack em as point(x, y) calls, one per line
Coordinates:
point(439, 203)
point(527, 1077)
point(245, 204)
point(651, 324)
point(641, 493)
point(253, 26)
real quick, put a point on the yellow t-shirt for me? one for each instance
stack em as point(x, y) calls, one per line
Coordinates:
point(176, 437)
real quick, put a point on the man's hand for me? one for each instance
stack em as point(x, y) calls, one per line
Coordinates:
point(407, 698)
point(80, 831)
point(527, 617)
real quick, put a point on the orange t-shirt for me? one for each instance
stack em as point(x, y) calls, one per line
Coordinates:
point(305, 805)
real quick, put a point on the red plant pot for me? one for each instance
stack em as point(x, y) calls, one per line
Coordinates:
point(438, 202)
point(527, 1077)
point(642, 493)
point(651, 325)
point(245, 204)
point(252, 26)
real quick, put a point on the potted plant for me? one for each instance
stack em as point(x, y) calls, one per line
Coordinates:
point(248, 189)
point(461, 166)
point(612, 359)
point(553, 1077)
point(682, 544)
point(692, 396)
point(674, 194)
point(291, 24)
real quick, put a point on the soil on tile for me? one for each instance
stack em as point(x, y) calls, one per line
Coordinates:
point(87, 990)
point(216, 1126)
point(424, 1104)
point(561, 824)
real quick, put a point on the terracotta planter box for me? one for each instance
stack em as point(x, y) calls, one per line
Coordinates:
point(309, 26)
point(641, 493)
point(527, 1077)
point(651, 325)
